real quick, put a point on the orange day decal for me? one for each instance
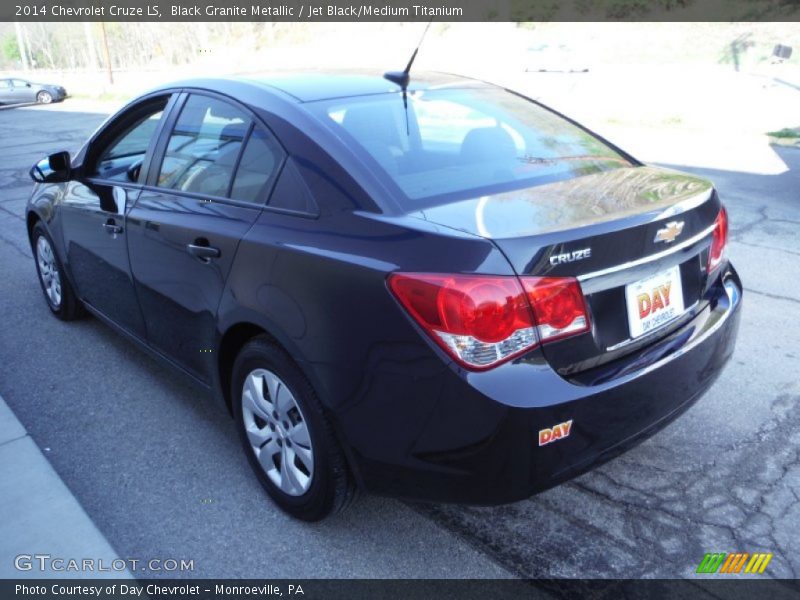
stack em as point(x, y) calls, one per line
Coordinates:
point(555, 433)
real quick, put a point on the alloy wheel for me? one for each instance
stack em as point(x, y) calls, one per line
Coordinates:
point(48, 271)
point(277, 432)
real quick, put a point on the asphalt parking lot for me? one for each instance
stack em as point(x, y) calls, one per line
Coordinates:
point(161, 473)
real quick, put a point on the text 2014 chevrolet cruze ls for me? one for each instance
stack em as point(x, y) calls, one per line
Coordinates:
point(446, 292)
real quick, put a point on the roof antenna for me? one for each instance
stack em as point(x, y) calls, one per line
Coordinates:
point(402, 78)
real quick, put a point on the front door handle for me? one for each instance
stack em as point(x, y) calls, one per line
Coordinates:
point(203, 252)
point(111, 227)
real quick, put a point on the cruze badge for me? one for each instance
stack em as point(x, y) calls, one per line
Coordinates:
point(555, 433)
point(569, 257)
point(670, 232)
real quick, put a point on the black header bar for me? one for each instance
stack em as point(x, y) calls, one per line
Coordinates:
point(398, 10)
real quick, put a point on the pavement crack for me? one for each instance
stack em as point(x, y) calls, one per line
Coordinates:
point(16, 439)
point(789, 221)
point(768, 247)
point(11, 213)
point(24, 251)
point(738, 232)
point(771, 295)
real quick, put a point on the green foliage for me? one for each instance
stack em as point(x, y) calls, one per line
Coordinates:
point(9, 47)
point(786, 132)
point(653, 10)
point(544, 10)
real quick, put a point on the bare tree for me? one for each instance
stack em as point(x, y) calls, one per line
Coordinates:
point(21, 43)
point(91, 51)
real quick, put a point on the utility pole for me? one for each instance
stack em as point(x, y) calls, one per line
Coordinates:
point(21, 45)
point(106, 54)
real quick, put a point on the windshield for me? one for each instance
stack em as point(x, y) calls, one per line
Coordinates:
point(456, 143)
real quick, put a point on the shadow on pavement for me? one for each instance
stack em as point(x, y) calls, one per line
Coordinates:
point(783, 189)
point(20, 105)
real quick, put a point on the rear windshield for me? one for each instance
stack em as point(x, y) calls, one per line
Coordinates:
point(455, 143)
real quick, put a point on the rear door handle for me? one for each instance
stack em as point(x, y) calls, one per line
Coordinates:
point(204, 253)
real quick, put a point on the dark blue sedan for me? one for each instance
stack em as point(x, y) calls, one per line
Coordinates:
point(444, 291)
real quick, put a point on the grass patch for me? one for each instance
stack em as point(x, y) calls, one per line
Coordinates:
point(785, 133)
point(102, 96)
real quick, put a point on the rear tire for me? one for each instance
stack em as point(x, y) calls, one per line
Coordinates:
point(44, 97)
point(58, 293)
point(286, 434)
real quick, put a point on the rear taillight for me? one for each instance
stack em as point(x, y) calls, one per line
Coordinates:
point(719, 239)
point(482, 321)
point(558, 306)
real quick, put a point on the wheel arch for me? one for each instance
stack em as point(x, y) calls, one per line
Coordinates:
point(233, 340)
point(30, 222)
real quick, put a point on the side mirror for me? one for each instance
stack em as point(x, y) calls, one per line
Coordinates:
point(27, 85)
point(52, 169)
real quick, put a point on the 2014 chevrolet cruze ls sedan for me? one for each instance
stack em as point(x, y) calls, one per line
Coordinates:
point(448, 292)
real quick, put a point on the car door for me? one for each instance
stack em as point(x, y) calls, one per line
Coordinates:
point(23, 91)
point(6, 91)
point(94, 208)
point(186, 225)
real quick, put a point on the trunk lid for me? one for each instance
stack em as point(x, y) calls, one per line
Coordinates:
point(610, 230)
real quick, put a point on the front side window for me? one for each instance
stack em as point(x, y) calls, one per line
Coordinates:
point(203, 147)
point(120, 152)
point(453, 142)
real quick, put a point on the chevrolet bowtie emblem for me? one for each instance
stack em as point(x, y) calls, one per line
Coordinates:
point(669, 232)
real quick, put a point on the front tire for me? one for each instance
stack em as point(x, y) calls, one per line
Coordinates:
point(60, 297)
point(286, 434)
point(44, 97)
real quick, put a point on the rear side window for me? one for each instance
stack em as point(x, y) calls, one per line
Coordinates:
point(292, 193)
point(258, 167)
point(455, 143)
point(203, 147)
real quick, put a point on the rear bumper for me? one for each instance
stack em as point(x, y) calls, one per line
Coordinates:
point(474, 437)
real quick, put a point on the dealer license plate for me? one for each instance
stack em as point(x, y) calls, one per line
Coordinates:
point(654, 301)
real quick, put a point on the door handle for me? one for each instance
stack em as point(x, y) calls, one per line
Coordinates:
point(203, 252)
point(111, 227)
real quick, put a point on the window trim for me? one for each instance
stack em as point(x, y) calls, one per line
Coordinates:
point(238, 161)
